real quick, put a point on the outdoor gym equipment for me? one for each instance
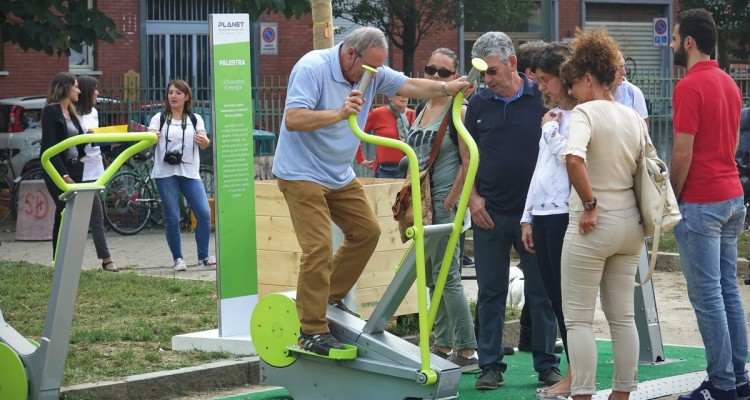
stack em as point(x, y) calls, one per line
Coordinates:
point(375, 364)
point(32, 370)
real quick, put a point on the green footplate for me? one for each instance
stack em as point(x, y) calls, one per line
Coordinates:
point(349, 352)
point(13, 382)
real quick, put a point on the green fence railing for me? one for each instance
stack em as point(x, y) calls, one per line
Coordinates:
point(269, 95)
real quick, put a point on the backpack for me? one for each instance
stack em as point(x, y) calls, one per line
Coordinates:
point(163, 119)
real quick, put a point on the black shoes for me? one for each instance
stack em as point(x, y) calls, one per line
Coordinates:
point(321, 343)
point(489, 379)
point(341, 306)
point(550, 376)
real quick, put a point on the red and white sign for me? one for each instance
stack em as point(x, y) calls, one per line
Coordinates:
point(269, 38)
point(661, 31)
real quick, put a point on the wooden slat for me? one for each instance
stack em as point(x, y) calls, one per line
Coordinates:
point(277, 233)
point(281, 268)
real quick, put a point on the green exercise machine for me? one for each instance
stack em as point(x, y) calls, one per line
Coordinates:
point(34, 370)
point(374, 364)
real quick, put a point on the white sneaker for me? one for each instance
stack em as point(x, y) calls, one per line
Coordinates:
point(179, 265)
point(208, 262)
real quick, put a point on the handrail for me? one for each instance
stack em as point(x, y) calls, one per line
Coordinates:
point(416, 232)
point(478, 65)
point(144, 139)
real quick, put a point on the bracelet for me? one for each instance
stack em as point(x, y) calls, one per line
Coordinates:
point(445, 200)
point(445, 92)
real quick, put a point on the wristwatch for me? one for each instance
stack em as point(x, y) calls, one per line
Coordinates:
point(589, 205)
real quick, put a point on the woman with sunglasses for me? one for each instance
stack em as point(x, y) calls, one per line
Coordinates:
point(545, 216)
point(603, 241)
point(454, 328)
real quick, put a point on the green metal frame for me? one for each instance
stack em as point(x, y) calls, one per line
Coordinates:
point(416, 232)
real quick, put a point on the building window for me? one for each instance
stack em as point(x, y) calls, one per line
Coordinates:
point(83, 61)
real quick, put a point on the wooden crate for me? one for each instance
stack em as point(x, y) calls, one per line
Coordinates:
point(279, 252)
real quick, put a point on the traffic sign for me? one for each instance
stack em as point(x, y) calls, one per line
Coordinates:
point(269, 38)
point(661, 31)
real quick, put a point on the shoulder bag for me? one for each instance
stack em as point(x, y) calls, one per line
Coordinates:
point(402, 207)
point(655, 197)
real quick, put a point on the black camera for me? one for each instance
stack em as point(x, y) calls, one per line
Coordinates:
point(173, 157)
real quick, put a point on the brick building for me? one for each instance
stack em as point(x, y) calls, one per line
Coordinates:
point(169, 38)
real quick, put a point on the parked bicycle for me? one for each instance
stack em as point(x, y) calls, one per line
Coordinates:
point(131, 199)
point(10, 182)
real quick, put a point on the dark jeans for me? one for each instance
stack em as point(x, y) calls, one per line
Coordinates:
point(549, 232)
point(492, 258)
point(389, 170)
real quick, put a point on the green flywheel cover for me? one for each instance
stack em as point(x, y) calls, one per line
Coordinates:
point(13, 382)
point(274, 325)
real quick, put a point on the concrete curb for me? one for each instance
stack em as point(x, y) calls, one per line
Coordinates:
point(172, 384)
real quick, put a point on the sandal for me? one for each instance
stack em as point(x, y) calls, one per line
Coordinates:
point(113, 269)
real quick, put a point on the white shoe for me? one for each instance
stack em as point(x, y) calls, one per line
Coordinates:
point(208, 262)
point(179, 265)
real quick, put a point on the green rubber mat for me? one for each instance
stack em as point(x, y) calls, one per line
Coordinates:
point(521, 379)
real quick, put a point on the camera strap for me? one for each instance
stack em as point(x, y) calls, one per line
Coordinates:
point(184, 126)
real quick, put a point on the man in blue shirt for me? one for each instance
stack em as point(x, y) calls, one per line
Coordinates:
point(313, 166)
point(505, 119)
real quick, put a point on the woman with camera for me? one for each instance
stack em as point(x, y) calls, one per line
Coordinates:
point(176, 170)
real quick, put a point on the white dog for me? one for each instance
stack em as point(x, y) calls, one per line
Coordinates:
point(515, 298)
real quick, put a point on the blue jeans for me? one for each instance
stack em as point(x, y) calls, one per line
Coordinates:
point(707, 241)
point(192, 189)
point(492, 263)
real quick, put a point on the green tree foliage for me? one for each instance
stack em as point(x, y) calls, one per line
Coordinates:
point(733, 22)
point(290, 8)
point(497, 15)
point(54, 26)
point(407, 22)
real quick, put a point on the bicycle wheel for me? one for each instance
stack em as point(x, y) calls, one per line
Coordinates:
point(35, 173)
point(207, 176)
point(127, 202)
point(6, 198)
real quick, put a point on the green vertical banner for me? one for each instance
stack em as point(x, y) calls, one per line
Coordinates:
point(232, 116)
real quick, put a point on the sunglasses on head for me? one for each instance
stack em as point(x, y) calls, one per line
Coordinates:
point(490, 72)
point(442, 72)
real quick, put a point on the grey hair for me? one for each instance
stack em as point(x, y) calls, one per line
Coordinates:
point(493, 44)
point(363, 38)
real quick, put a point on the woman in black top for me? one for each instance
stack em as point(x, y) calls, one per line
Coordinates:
point(60, 121)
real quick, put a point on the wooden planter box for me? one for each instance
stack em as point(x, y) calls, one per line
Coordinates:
point(279, 253)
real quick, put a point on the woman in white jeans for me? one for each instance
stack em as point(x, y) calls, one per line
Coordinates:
point(603, 241)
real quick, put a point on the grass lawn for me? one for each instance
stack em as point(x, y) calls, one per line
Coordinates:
point(669, 244)
point(123, 323)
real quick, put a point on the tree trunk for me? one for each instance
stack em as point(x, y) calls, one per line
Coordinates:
point(322, 16)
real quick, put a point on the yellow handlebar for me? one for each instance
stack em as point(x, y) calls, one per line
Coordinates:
point(426, 318)
point(144, 139)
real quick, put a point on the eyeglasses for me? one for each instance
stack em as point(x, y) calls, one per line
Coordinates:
point(442, 72)
point(358, 55)
point(569, 83)
point(490, 72)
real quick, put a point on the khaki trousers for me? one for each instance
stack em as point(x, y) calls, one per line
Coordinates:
point(605, 260)
point(324, 276)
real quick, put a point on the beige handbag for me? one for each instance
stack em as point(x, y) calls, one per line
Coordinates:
point(655, 197)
